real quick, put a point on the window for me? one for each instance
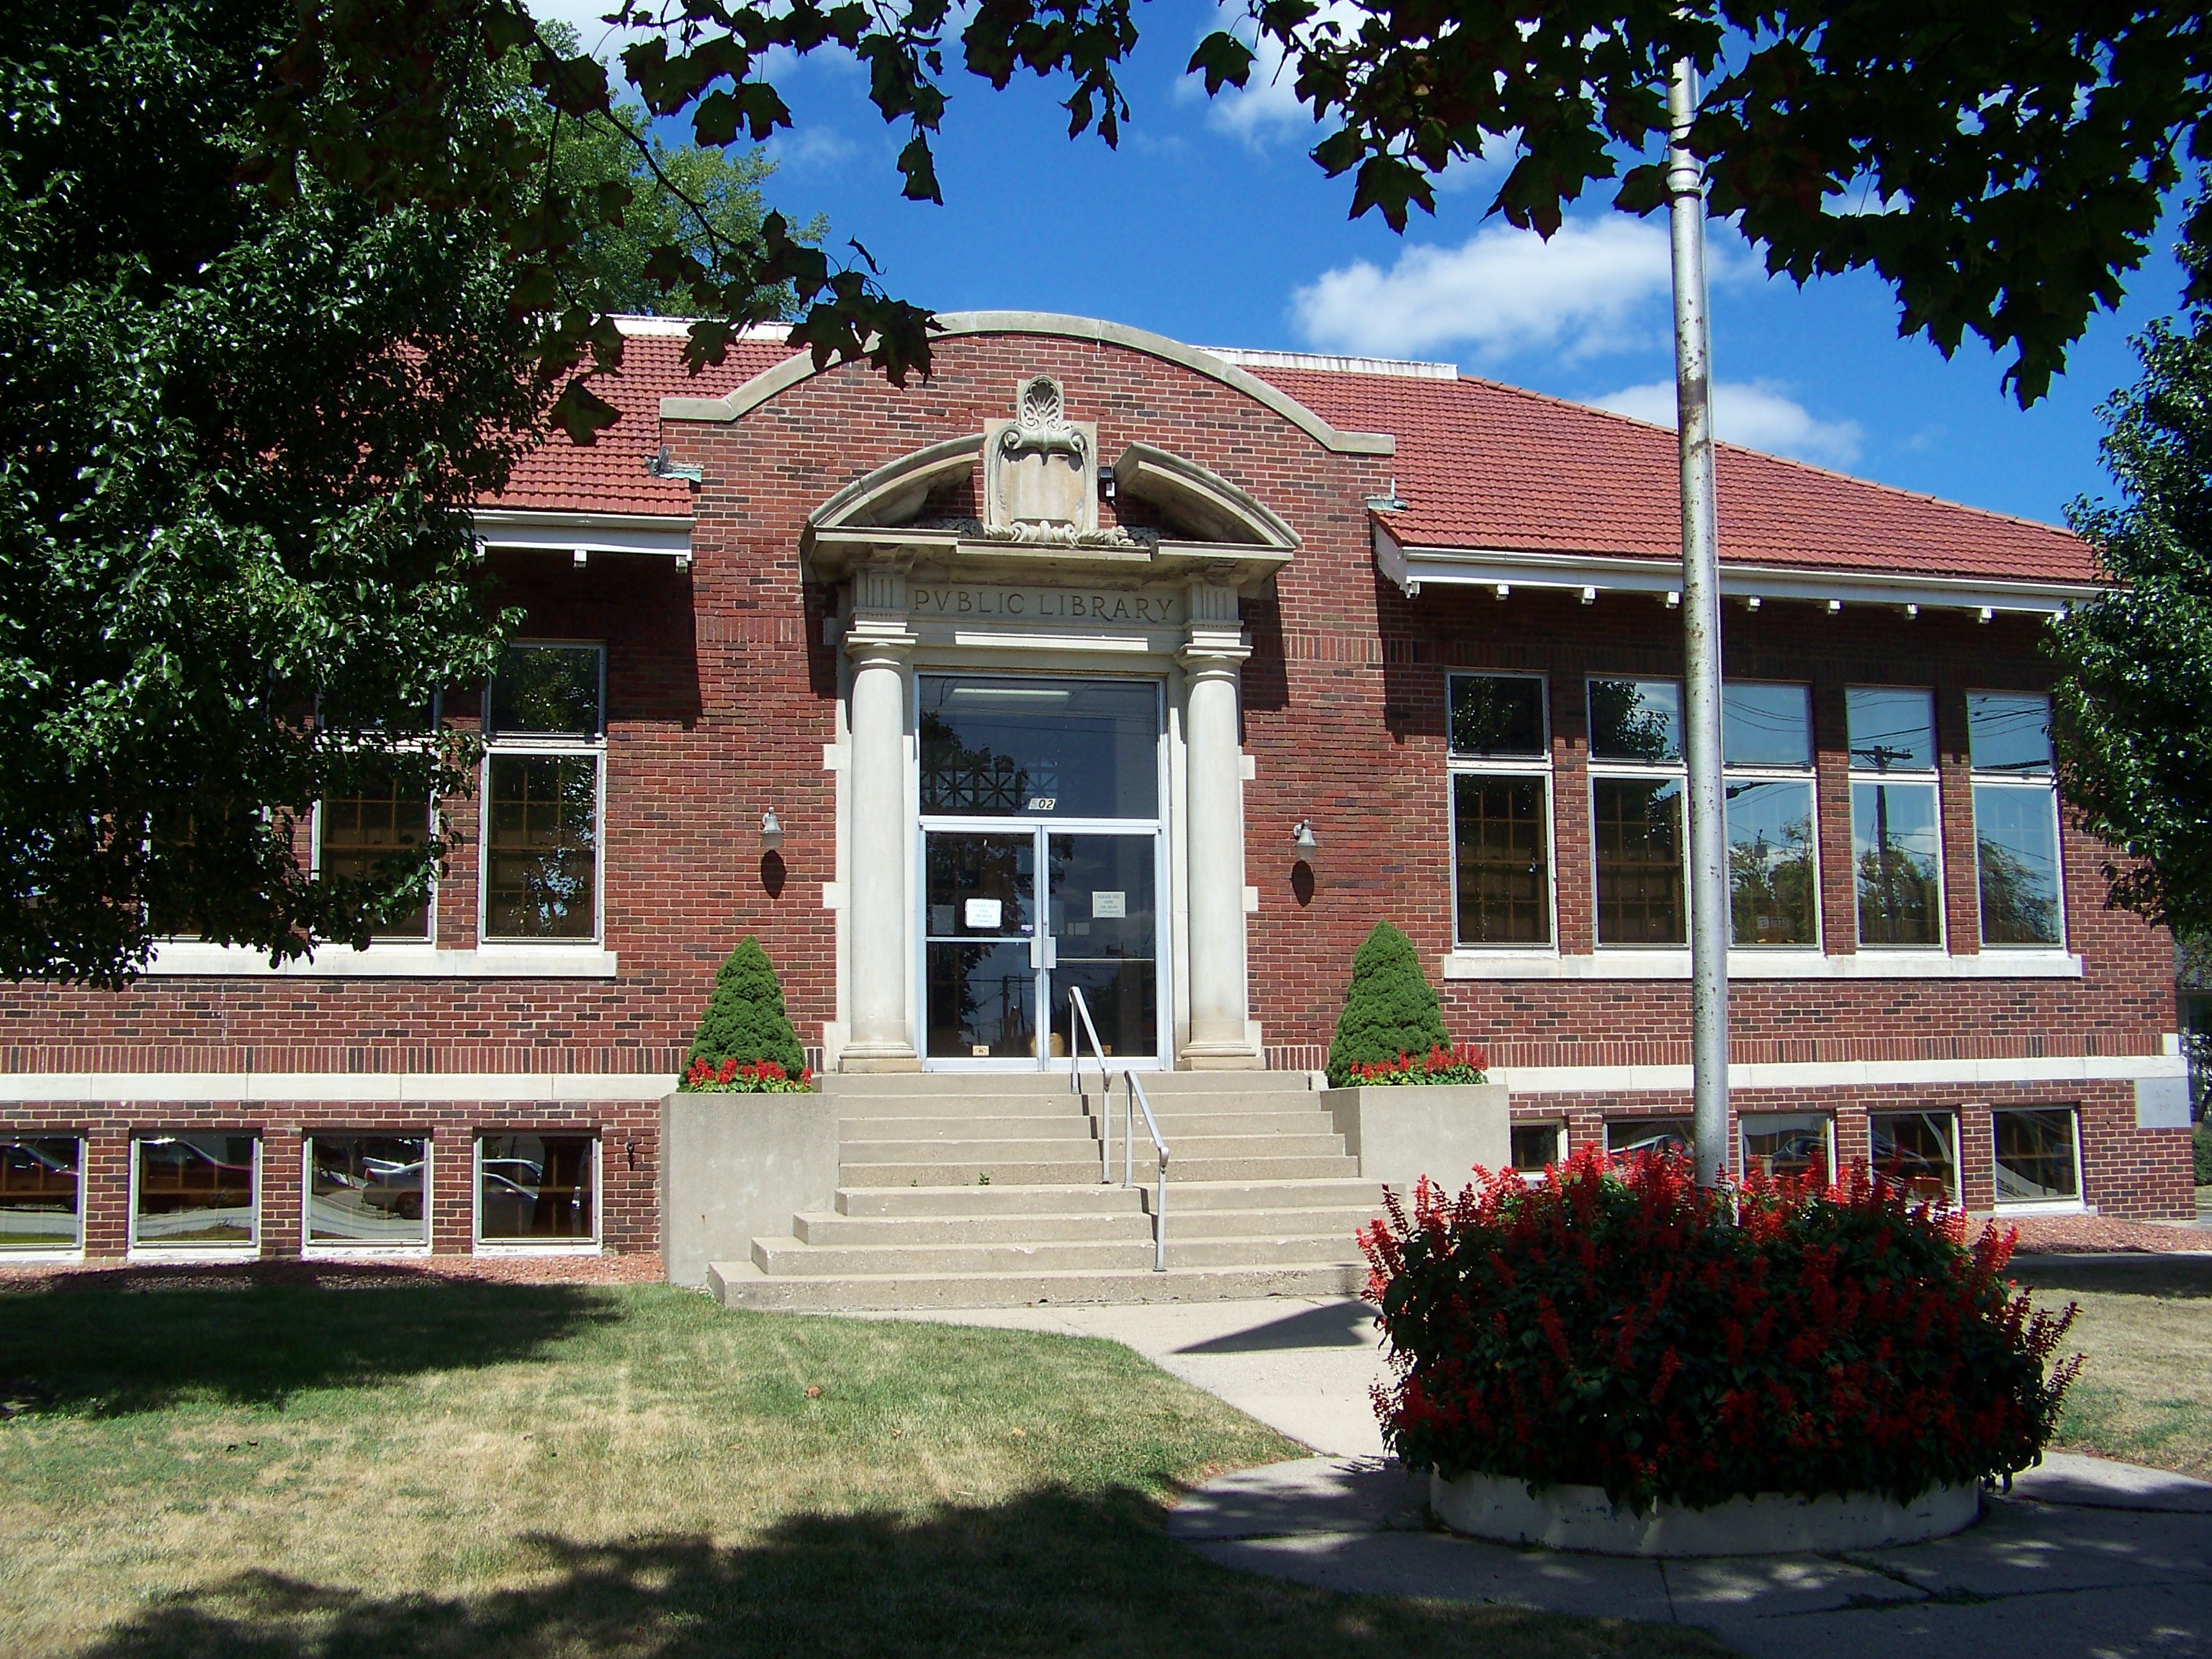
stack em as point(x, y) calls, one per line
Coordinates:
point(1636, 811)
point(1537, 1146)
point(368, 1191)
point(1918, 1151)
point(537, 1190)
point(355, 832)
point(41, 1193)
point(1625, 1137)
point(544, 726)
point(2015, 818)
point(196, 1191)
point(1897, 835)
point(1637, 823)
point(1781, 1144)
point(1501, 806)
point(2038, 1157)
point(1767, 746)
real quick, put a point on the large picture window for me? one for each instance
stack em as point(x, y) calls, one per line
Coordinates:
point(1780, 1145)
point(538, 1191)
point(2039, 1156)
point(2015, 818)
point(355, 833)
point(1636, 811)
point(1897, 835)
point(367, 1192)
point(1766, 747)
point(1918, 1151)
point(1501, 806)
point(196, 1191)
point(41, 1193)
point(544, 730)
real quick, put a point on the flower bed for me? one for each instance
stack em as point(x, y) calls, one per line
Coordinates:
point(730, 1077)
point(1617, 1327)
point(1463, 1062)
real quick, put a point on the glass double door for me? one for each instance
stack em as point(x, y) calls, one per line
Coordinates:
point(1015, 914)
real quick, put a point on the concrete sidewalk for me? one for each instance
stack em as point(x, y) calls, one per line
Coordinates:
point(2085, 1560)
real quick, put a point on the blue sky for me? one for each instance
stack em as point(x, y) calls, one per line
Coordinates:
point(1210, 224)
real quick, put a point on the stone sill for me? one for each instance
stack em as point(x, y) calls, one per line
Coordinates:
point(388, 961)
point(1763, 964)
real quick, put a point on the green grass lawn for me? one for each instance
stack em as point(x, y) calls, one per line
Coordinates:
point(474, 1471)
point(2145, 1325)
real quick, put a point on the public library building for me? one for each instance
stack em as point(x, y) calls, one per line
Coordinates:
point(1101, 661)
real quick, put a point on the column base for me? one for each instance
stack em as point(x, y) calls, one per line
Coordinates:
point(1219, 1057)
point(878, 1057)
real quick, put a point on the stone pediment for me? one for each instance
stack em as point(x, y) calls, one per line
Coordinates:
point(1039, 507)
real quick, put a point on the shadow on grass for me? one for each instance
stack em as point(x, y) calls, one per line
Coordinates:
point(2184, 1277)
point(1053, 1572)
point(113, 1344)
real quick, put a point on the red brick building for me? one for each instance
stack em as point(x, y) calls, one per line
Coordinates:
point(1100, 660)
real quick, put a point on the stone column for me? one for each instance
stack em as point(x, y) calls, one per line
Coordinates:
point(880, 643)
point(1213, 836)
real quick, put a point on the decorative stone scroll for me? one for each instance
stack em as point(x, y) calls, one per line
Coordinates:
point(1041, 474)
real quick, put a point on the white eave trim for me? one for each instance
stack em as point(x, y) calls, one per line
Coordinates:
point(662, 536)
point(1414, 568)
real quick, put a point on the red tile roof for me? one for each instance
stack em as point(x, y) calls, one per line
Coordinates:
point(1482, 466)
point(610, 475)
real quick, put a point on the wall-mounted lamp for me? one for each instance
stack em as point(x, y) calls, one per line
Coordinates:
point(1302, 837)
point(771, 830)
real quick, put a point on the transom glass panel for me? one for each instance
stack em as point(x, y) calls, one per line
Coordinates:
point(1072, 748)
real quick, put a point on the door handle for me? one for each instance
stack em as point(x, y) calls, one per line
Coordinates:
point(1043, 953)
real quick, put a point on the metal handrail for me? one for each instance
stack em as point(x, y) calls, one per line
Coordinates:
point(1138, 1103)
point(1079, 1023)
point(1079, 1008)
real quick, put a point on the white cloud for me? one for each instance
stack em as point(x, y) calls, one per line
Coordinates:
point(1757, 414)
point(1590, 289)
point(801, 148)
point(1265, 108)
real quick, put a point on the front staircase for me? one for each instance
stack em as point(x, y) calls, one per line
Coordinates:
point(970, 1191)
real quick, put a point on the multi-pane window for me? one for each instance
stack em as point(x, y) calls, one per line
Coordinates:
point(196, 1191)
point(1501, 807)
point(1780, 1144)
point(382, 820)
point(1767, 748)
point(540, 1190)
point(2015, 818)
point(1896, 837)
point(544, 726)
point(1919, 1152)
point(1637, 821)
point(2038, 1155)
point(41, 1193)
point(368, 1191)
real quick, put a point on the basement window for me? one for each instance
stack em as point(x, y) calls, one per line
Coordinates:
point(537, 1192)
point(196, 1192)
point(42, 1194)
point(368, 1191)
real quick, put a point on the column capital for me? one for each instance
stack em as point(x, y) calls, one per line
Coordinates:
point(879, 639)
point(1213, 650)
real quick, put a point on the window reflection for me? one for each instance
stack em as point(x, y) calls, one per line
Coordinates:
point(1782, 1145)
point(536, 1190)
point(1919, 1151)
point(195, 1189)
point(1638, 836)
point(40, 1191)
point(2035, 1162)
point(1073, 748)
point(1772, 895)
point(367, 1190)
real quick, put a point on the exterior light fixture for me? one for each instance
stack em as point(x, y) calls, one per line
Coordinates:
point(1302, 837)
point(771, 830)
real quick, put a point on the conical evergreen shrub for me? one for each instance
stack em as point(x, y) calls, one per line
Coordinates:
point(744, 1019)
point(1389, 1008)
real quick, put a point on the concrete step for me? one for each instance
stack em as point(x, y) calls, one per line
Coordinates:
point(1348, 1192)
point(845, 1087)
point(743, 1285)
point(828, 1229)
point(1189, 1221)
point(860, 1131)
point(1178, 1126)
point(944, 1172)
point(1091, 1198)
point(1043, 1148)
point(779, 1257)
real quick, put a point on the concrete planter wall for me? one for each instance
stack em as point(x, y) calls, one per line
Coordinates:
point(1441, 1130)
point(734, 1167)
point(1581, 1519)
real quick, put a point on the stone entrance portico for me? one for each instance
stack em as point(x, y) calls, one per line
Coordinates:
point(1033, 584)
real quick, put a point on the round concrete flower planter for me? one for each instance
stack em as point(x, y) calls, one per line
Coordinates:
point(1499, 1508)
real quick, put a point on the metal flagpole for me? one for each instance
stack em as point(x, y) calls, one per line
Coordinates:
point(1701, 636)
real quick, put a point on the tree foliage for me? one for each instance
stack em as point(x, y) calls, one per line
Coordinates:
point(745, 1020)
point(1389, 1008)
point(2134, 706)
point(240, 436)
point(2015, 155)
